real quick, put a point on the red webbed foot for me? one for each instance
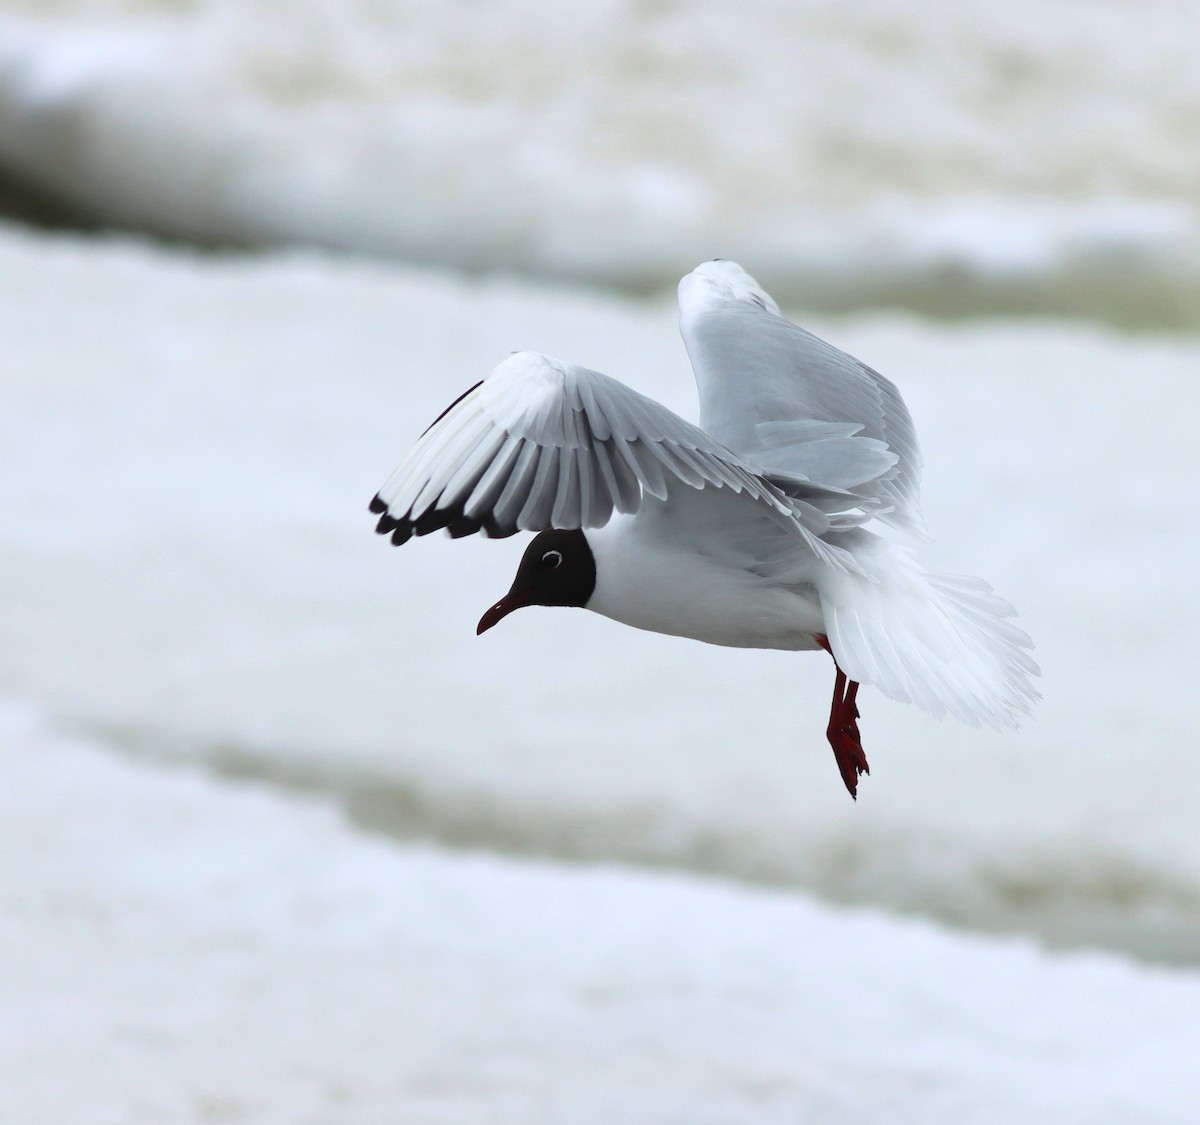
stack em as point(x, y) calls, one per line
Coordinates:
point(842, 731)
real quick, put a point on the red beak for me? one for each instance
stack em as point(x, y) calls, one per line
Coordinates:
point(514, 599)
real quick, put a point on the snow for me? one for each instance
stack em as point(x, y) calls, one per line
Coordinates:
point(983, 157)
point(177, 948)
point(190, 570)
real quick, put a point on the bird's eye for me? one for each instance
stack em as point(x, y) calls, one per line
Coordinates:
point(552, 558)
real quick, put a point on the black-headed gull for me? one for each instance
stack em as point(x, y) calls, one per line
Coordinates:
point(787, 519)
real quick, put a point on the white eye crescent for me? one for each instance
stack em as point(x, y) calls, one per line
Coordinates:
point(552, 558)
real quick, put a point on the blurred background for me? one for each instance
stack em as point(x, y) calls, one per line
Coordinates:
point(249, 249)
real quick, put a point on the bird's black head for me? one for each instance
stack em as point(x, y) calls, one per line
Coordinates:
point(556, 569)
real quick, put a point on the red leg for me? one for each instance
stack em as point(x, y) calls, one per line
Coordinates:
point(842, 731)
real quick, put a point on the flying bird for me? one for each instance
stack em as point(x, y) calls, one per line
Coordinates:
point(787, 519)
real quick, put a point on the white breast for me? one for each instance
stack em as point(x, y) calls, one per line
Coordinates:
point(662, 571)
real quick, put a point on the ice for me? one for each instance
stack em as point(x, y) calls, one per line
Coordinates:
point(190, 569)
point(181, 949)
point(1019, 157)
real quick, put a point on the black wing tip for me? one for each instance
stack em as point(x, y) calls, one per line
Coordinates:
point(400, 530)
point(458, 524)
point(387, 522)
point(453, 519)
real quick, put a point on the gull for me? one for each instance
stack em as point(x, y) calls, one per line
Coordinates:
point(787, 519)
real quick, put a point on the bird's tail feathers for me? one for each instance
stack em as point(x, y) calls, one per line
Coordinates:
point(946, 643)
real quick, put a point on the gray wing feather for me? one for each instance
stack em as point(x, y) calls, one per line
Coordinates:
point(794, 406)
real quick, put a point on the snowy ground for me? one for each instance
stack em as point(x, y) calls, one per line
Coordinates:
point(1027, 156)
point(190, 569)
point(179, 949)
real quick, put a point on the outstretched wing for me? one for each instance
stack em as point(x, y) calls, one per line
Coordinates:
point(544, 444)
point(812, 418)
